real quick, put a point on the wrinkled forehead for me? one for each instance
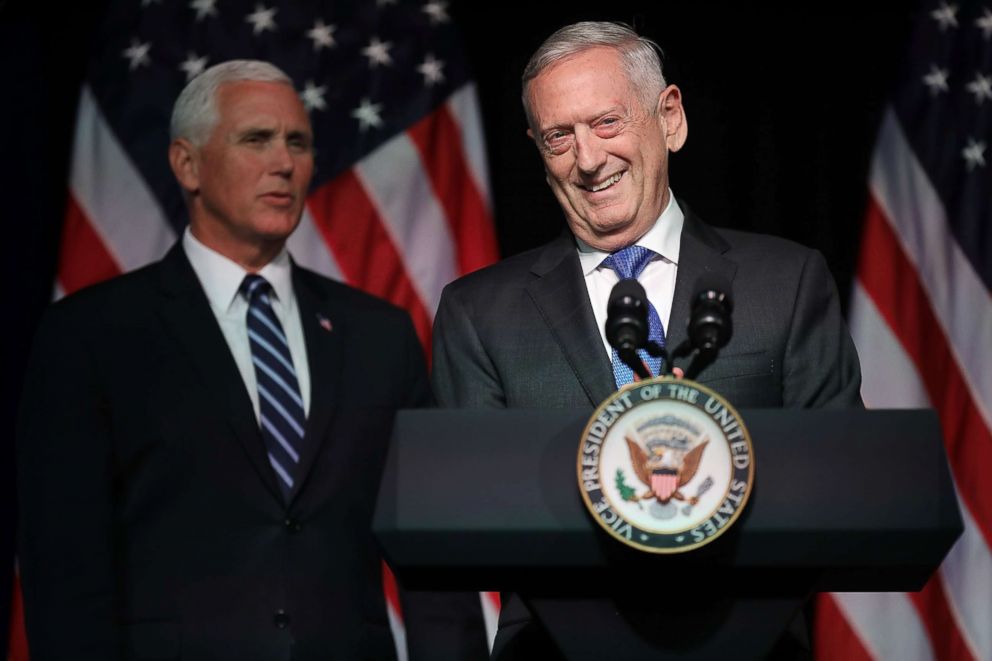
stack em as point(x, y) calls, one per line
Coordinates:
point(273, 103)
point(581, 87)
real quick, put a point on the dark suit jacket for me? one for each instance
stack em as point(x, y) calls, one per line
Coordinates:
point(152, 524)
point(522, 333)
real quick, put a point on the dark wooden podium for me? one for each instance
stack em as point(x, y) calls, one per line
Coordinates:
point(843, 500)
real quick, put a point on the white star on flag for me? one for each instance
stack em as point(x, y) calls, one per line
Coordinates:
point(137, 53)
point(193, 65)
point(437, 11)
point(936, 80)
point(322, 35)
point(984, 23)
point(945, 15)
point(431, 70)
point(378, 52)
point(974, 154)
point(262, 19)
point(981, 87)
point(367, 114)
point(203, 8)
point(313, 96)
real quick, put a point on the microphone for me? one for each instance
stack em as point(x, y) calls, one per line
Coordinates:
point(627, 316)
point(710, 324)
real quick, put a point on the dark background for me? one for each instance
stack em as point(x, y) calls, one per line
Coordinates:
point(783, 102)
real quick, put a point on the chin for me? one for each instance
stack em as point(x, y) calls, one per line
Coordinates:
point(278, 228)
point(607, 228)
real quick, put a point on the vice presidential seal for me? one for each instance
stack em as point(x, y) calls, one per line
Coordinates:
point(665, 465)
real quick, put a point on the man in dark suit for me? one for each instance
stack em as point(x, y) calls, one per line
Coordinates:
point(528, 332)
point(201, 440)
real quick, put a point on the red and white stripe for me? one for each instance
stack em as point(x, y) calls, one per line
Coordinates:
point(407, 219)
point(922, 320)
point(490, 614)
point(113, 222)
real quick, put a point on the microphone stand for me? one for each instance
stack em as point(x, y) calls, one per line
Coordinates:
point(633, 361)
point(699, 358)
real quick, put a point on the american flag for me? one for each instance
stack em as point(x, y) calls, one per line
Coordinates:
point(921, 315)
point(400, 203)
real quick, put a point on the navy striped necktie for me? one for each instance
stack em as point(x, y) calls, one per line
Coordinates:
point(281, 412)
point(629, 263)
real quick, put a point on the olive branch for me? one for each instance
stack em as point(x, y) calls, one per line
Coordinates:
point(626, 491)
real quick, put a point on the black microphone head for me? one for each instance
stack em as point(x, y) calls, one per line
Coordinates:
point(710, 326)
point(712, 287)
point(627, 315)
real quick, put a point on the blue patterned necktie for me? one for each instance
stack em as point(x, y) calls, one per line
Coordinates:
point(629, 263)
point(281, 412)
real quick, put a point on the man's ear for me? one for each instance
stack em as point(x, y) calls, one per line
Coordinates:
point(184, 161)
point(671, 114)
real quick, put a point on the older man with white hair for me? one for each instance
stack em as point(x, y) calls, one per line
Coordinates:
point(529, 331)
point(201, 440)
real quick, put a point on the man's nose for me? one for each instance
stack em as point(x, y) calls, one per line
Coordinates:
point(282, 162)
point(589, 152)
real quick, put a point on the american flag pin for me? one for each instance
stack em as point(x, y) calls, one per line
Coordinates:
point(325, 323)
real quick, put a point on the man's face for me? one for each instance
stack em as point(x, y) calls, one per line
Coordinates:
point(606, 155)
point(248, 182)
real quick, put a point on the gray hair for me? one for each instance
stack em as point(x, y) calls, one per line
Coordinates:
point(638, 54)
point(195, 113)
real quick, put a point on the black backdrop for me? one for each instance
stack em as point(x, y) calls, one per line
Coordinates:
point(783, 102)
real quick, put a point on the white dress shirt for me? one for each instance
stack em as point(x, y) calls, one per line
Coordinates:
point(221, 280)
point(657, 278)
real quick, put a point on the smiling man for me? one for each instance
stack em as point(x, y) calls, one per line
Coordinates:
point(529, 331)
point(202, 439)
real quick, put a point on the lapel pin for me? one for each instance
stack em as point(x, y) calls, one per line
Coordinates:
point(325, 323)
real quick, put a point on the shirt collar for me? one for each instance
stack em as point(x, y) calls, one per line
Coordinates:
point(221, 277)
point(664, 238)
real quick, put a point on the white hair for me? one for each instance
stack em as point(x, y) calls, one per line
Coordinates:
point(638, 54)
point(195, 113)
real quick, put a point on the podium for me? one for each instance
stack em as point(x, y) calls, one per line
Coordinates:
point(843, 500)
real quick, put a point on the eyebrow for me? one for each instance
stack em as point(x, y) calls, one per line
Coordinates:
point(299, 133)
point(266, 132)
point(619, 109)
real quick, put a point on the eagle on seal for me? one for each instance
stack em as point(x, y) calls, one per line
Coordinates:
point(664, 470)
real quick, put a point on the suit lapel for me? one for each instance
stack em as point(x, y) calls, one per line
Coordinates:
point(560, 295)
point(187, 315)
point(324, 330)
point(701, 251)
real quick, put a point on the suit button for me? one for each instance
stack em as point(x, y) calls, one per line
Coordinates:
point(292, 525)
point(281, 619)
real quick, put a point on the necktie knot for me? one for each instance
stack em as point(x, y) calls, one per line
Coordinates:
point(254, 285)
point(629, 262)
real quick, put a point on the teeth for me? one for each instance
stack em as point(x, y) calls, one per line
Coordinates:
point(606, 184)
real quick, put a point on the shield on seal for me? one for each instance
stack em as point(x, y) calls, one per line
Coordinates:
point(664, 482)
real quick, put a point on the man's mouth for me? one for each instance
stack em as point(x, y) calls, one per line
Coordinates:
point(279, 198)
point(604, 184)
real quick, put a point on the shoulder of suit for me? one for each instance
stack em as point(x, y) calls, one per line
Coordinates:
point(121, 302)
point(345, 294)
point(510, 272)
point(764, 246)
point(117, 291)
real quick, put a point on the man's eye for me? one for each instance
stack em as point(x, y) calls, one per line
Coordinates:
point(608, 127)
point(557, 141)
point(298, 144)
